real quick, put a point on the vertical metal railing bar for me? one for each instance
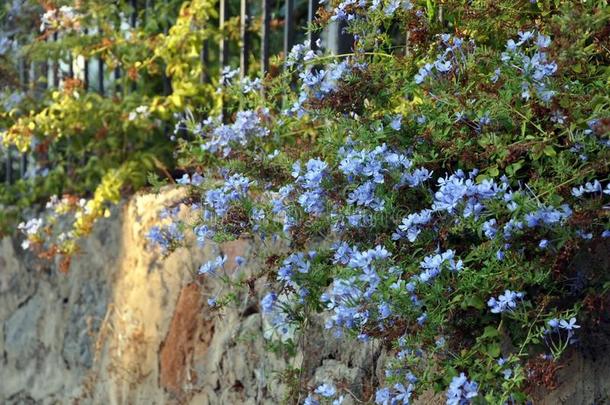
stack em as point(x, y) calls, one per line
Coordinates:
point(223, 44)
point(167, 81)
point(100, 66)
point(24, 83)
point(288, 27)
point(312, 8)
point(117, 79)
point(23, 165)
point(344, 39)
point(100, 74)
point(223, 48)
point(44, 72)
point(148, 6)
point(55, 83)
point(204, 55)
point(245, 38)
point(134, 13)
point(8, 178)
point(265, 31)
point(86, 67)
point(70, 66)
point(134, 24)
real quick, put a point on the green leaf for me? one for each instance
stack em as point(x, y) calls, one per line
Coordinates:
point(490, 332)
point(550, 151)
point(430, 9)
point(493, 350)
point(475, 302)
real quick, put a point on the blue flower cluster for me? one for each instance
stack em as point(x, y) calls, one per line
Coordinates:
point(504, 302)
point(221, 137)
point(293, 264)
point(451, 59)
point(219, 199)
point(301, 53)
point(212, 266)
point(312, 198)
point(165, 236)
point(367, 169)
point(456, 192)
point(349, 10)
point(318, 83)
point(433, 264)
point(534, 66)
point(461, 390)
point(196, 179)
point(563, 324)
point(398, 395)
point(203, 232)
point(348, 297)
point(412, 225)
point(590, 188)
point(268, 302)
point(280, 206)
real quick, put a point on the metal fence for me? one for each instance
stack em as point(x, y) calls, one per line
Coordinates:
point(97, 77)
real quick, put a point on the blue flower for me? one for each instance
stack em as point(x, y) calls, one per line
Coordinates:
point(419, 176)
point(342, 253)
point(310, 400)
point(247, 125)
point(184, 180)
point(504, 302)
point(383, 396)
point(403, 394)
point(461, 390)
point(395, 124)
point(268, 302)
point(411, 225)
point(451, 191)
point(203, 232)
point(326, 390)
point(391, 7)
point(364, 195)
point(422, 319)
point(568, 325)
point(489, 228)
point(384, 310)
point(212, 266)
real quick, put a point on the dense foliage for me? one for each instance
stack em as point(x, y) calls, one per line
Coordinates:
point(96, 143)
point(434, 186)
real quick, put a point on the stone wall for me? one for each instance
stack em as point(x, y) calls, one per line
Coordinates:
point(127, 326)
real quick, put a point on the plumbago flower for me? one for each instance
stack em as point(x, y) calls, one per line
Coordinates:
point(312, 198)
point(457, 195)
point(219, 199)
point(220, 138)
point(528, 56)
point(461, 390)
point(451, 59)
point(318, 84)
point(348, 299)
point(433, 252)
point(504, 302)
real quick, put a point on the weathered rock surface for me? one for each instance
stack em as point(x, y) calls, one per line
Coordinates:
point(127, 326)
